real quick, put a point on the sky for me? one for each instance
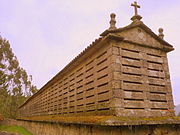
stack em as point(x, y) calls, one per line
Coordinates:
point(46, 35)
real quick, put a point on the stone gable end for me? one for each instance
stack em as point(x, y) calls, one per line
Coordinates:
point(140, 36)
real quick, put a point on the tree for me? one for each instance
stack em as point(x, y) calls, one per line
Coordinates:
point(178, 114)
point(15, 84)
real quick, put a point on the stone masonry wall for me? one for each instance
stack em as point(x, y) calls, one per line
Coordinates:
point(40, 128)
point(84, 89)
point(141, 81)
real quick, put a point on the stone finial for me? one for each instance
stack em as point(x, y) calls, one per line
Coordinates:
point(136, 17)
point(112, 22)
point(161, 35)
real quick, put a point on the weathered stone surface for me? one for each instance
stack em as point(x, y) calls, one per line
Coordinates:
point(44, 128)
point(123, 73)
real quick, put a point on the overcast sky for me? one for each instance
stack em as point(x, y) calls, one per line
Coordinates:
point(47, 34)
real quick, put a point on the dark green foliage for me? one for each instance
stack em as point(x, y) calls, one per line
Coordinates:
point(15, 84)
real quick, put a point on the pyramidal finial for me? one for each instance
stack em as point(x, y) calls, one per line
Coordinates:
point(136, 17)
point(112, 22)
point(161, 35)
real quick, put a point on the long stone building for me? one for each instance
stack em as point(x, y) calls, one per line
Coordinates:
point(122, 73)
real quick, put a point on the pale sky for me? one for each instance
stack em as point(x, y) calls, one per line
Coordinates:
point(47, 34)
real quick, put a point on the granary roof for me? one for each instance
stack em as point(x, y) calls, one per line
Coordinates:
point(107, 35)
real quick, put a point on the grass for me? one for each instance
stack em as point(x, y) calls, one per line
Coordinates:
point(15, 129)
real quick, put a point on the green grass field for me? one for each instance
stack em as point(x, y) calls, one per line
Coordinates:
point(15, 129)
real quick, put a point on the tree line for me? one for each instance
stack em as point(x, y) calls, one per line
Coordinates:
point(15, 84)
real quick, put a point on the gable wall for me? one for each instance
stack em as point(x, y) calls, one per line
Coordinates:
point(140, 36)
point(141, 81)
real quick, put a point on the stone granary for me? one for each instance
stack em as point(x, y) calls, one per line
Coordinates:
point(123, 73)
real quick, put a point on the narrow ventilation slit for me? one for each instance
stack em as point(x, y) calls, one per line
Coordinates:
point(79, 99)
point(140, 91)
point(157, 77)
point(80, 105)
point(154, 92)
point(72, 101)
point(132, 82)
point(90, 96)
point(126, 57)
point(159, 108)
point(151, 84)
point(71, 75)
point(89, 62)
point(130, 50)
point(92, 110)
point(79, 111)
point(103, 109)
point(79, 69)
point(152, 69)
point(71, 96)
point(164, 101)
point(132, 66)
point(101, 54)
point(102, 76)
point(90, 89)
point(79, 92)
point(103, 84)
point(71, 90)
point(102, 69)
point(134, 108)
point(89, 76)
point(134, 74)
point(103, 101)
point(71, 85)
point(65, 93)
point(89, 82)
point(101, 62)
point(80, 87)
point(154, 55)
point(80, 81)
point(79, 75)
point(133, 99)
point(103, 92)
point(90, 103)
point(155, 62)
point(89, 69)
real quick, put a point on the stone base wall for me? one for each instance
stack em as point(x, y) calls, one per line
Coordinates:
point(44, 128)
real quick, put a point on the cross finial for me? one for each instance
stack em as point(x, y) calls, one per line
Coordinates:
point(136, 6)
point(136, 17)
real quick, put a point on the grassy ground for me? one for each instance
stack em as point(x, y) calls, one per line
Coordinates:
point(15, 129)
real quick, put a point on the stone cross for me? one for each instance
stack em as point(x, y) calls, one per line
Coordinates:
point(136, 6)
